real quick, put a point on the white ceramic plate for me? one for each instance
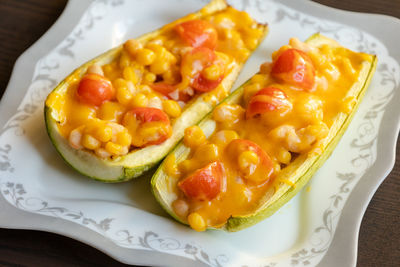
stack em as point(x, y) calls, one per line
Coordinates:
point(39, 191)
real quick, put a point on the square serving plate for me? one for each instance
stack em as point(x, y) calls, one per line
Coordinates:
point(39, 191)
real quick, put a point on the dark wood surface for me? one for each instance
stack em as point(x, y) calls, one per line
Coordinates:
point(22, 22)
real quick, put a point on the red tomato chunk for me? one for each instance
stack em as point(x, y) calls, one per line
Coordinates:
point(204, 184)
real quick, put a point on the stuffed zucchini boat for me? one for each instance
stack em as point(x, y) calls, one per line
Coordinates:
point(120, 114)
point(264, 142)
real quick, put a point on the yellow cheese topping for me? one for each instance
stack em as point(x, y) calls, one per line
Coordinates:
point(161, 73)
point(297, 128)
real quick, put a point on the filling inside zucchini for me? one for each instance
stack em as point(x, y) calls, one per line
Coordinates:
point(261, 141)
point(137, 97)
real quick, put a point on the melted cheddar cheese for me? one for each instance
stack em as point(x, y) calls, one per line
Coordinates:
point(296, 128)
point(165, 73)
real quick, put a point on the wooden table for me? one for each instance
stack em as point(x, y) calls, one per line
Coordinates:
point(22, 22)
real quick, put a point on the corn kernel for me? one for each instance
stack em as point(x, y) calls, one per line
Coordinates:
point(259, 78)
point(124, 95)
point(194, 136)
point(224, 137)
point(327, 51)
point(284, 156)
point(242, 54)
point(124, 138)
point(197, 222)
point(90, 142)
point(169, 57)
point(172, 108)
point(159, 67)
point(251, 43)
point(248, 161)
point(132, 46)
point(114, 148)
point(152, 94)
point(120, 82)
point(107, 69)
point(158, 49)
point(250, 90)
point(124, 60)
point(102, 133)
point(206, 153)
point(251, 37)
point(320, 130)
point(129, 74)
point(244, 18)
point(224, 58)
point(212, 72)
point(145, 56)
point(111, 71)
point(150, 77)
point(139, 100)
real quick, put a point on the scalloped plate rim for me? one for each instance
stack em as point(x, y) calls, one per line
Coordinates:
point(57, 32)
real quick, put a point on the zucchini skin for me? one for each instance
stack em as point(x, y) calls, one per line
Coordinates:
point(234, 224)
point(133, 164)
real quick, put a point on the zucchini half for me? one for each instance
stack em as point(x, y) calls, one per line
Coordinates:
point(298, 172)
point(137, 162)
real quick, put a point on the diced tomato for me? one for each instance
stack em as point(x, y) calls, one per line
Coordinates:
point(204, 184)
point(168, 90)
point(163, 88)
point(149, 115)
point(198, 33)
point(201, 84)
point(194, 62)
point(94, 89)
point(294, 67)
point(265, 168)
point(266, 100)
